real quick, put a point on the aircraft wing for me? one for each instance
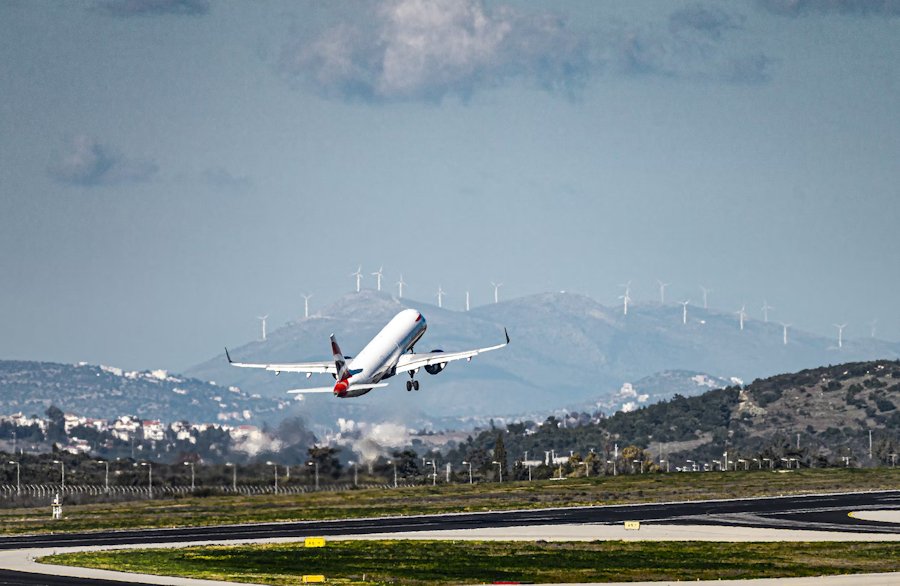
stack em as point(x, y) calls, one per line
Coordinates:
point(308, 367)
point(409, 362)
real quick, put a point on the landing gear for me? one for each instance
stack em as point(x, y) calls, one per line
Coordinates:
point(415, 385)
point(412, 384)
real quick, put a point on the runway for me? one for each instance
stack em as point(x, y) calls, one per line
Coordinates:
point(815, 515)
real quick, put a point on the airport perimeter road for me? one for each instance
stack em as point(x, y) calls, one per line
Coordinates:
point(828, 512)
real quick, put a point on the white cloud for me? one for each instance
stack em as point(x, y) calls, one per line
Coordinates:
point(86, 162)
point(421, 49)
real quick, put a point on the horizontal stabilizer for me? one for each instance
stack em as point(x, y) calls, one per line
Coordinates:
point(366, 387)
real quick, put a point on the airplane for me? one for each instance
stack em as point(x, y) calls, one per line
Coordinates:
point(387, 354)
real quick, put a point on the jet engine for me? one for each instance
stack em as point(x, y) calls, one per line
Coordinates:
point(435, 368)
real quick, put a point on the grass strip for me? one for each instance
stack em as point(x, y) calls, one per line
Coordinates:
point(453, 562)
point(605, 490)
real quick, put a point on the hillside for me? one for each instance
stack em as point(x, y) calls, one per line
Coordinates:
point(832, 408)
point(106, 392)
point(567, 350)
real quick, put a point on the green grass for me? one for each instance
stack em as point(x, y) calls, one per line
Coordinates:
point(195, 511)
point(454, 562)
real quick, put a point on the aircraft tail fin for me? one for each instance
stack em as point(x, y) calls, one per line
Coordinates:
point(340, 363)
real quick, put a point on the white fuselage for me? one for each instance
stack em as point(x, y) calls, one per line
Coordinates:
point(378, 360)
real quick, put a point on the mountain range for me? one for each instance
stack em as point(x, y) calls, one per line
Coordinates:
point(105, 392)
point(567, 351)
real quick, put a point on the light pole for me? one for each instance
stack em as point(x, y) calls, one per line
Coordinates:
point(233, 475)
point(149, 478)
point(470, 470)
point(106, 480)
point(500, 468)
point(18, 484)
point(191, 464)
point(434, 475)
point(62, 469)
point(394, 464)
point(275, 468)
point(355, 483)
point(316, 465)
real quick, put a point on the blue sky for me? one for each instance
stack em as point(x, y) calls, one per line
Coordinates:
point(170, 169)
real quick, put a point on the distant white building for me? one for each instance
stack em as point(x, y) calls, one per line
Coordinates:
point(244, 432)
point(72, 421)
point(125, 427)
point(20, 420)
point(153, 430)
point(551, 459)
point(77, 446)
point(183, 432)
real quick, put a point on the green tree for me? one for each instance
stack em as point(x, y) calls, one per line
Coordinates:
point(56, 424)
point(500, 452)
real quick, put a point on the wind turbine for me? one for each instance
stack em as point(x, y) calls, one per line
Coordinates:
point(626, 297)
point(705, 293)
point(840, 328)
point(400, 284)
point(378, 274)
point(358, 275)
point(765, 308)
point(784, 332)
point(496, 287)
point(263, 319)
point(742, 314)
point(440, 296)
point(306, 299)
point(662, 291)
point(684, 311)
point(467, 301)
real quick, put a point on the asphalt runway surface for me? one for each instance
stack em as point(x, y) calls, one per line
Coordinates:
point(813, 513)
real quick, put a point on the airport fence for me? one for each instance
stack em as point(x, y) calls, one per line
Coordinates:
point(27, 495)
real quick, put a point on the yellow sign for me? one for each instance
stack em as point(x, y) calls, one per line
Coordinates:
point(633, 525)
point(309, 579)
point(314, 542)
